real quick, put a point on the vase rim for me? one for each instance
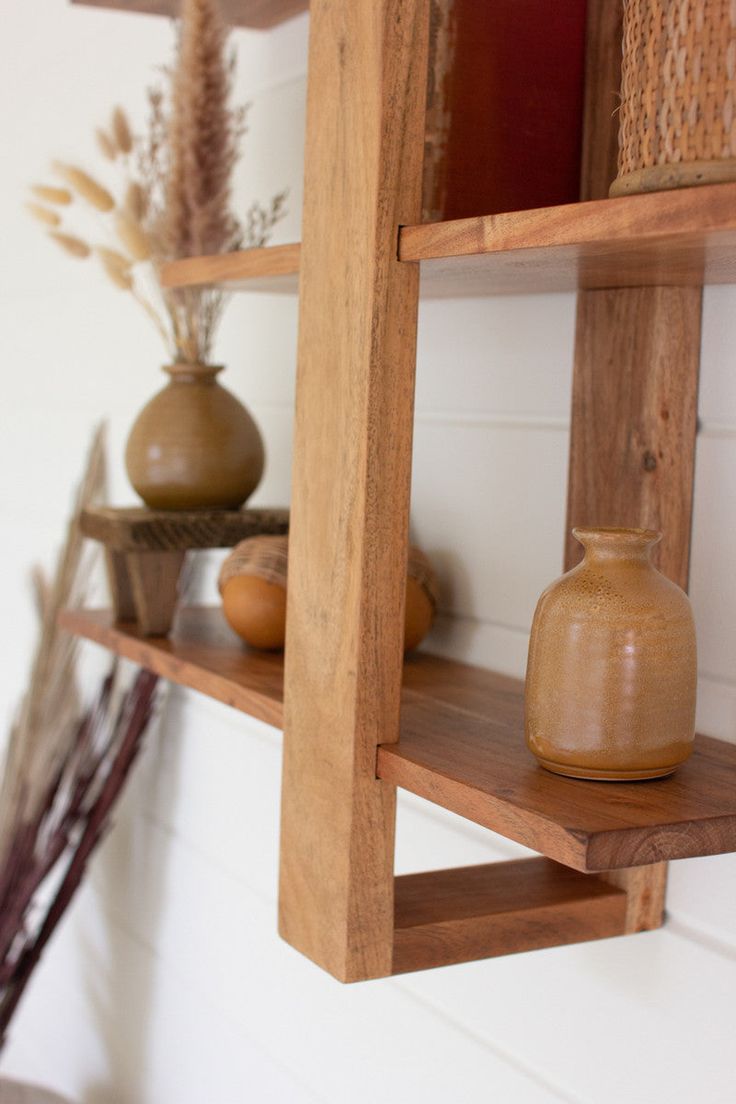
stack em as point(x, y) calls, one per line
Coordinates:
point(187, 368)
point(615, 533)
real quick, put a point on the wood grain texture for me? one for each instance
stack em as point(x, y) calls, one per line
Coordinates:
point(202, 653)
point(634, 417)
point(449, 916)
point(135, 529)
point(153, 583)
point(259, 14)
point(668, 238)
point(604, 35)
point(352, 473)
point(272, 269)
point(477, 766)
point(462, 747)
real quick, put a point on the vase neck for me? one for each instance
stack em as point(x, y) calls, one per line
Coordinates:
point(182, 372)
point(617, 544)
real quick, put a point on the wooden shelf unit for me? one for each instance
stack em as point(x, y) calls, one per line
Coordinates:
point(358, 722)
point(675, 238)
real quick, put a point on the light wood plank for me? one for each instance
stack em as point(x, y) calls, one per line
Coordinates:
point(449, 916)
point(273, 269)
point(259, 14)
point(669, 238)
point(672, 238)
point(352, 473)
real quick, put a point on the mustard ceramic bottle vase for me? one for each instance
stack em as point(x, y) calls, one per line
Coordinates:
point(194, 446)
point(611, 676)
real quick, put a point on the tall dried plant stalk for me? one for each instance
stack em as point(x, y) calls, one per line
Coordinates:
point(64, 766)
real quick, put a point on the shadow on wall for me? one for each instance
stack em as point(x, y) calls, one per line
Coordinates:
point(130, 876)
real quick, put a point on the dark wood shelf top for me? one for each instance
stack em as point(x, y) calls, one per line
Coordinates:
point(685, 237)
point(462, 747)
point(258, 14)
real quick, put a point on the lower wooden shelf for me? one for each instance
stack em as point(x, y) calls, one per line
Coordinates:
point(462, 747)
point(445, 917)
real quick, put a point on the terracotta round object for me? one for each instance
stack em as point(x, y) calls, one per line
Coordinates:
point(421, 599)
point(252, 584)
point(194, 445)
point(611, 676)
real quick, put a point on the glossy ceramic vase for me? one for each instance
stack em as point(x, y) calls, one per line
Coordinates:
point(611, 676)
point(194, 446)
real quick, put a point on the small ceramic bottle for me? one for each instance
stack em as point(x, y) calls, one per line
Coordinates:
point(611, 676)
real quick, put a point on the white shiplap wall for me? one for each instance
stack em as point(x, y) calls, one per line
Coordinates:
point(167, 984)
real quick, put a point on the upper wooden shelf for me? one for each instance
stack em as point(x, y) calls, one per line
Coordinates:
point(462, 747)
point(273, 268)
point(258, 14)
point(664, 238)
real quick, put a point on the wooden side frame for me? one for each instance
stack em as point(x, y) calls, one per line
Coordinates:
point(351, 479)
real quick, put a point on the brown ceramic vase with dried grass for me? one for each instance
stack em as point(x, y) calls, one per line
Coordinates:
point(194, 446)
point(611, 676)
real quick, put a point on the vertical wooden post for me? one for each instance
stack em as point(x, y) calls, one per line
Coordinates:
point(351, 481)
point(634, 403)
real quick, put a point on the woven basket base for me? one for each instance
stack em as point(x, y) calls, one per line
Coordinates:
point(683, 174)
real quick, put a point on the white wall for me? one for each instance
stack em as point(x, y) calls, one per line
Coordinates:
point(167, 984)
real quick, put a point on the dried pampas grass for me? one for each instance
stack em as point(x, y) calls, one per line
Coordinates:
point(175, 191)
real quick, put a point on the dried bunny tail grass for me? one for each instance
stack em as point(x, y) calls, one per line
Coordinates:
point(85, 186)
point(135, 201)
point(106, 144)
point(61, 196)
point(121, 130)
point(75, 247)
point(120, 277)
point(111, 257)
point(133, 236)
point(43, 214)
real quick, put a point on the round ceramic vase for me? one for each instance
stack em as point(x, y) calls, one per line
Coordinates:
point(194, 446)
point(611, 676)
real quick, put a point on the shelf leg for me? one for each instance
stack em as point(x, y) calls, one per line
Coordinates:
point(351, 479)
point(153, 581)
point(634, 405)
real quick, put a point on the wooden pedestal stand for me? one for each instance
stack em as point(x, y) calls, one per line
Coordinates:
point(145, 551)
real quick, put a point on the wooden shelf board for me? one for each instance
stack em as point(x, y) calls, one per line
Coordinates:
point(680, 237)
point(448, 916)
point(258, 14)
point(685, 236)
point(462, 747)
point(273, 269)
point(202, 653)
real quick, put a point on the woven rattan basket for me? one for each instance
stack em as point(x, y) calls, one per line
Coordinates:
point(677, 123)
